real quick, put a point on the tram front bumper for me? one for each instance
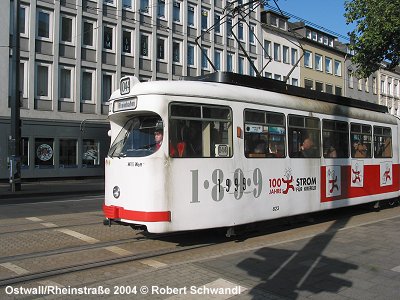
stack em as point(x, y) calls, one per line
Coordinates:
point(116, 213)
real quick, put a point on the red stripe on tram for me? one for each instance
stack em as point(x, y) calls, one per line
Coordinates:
point(116, 212)
point(371, 184)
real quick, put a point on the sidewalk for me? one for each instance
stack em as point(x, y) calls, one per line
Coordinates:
point(52, 187)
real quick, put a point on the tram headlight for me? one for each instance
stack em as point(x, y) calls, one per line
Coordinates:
point(116, 192)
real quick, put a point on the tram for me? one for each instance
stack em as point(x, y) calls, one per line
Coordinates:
point(226, 149)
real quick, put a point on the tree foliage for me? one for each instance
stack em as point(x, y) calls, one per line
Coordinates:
point(376, 38)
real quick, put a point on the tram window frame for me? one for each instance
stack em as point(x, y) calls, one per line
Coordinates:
point(211, 124)
point(335, 139)
point(359, 134)
point(383, 140)
point(301, 128)
point(264, 126)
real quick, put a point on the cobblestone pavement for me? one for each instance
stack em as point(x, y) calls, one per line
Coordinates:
point(350, 257)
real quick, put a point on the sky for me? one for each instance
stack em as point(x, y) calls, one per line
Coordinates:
point(325, 13)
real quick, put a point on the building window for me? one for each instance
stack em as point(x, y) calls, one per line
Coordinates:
point(318, 62)
point(282, 24)
point(44, 25)
point(127, 4)
point(217, 24)
point(383, 87)
point(277, 52)
point(350, 78)
point(65, 84)
point(144, 45)
point(360, 84)
point(240, 31)
point(161, 9)
point(295, 82)
point(177, 12)
point(204, 19)
point(67, 29)
point(229, 27)
point(176, 52)
point(144, 6)
point(329, 88)
point(160, 49)
point(43, 81)
point(191, 15)
point(127, 42)
point(109, 2)
point(308, 84)
point(204, 61)
point(44, 153)
point(90, 153)
point(319, 86)
point(88, 34)
point(268, 75)
point(241, 65)
point(68, 151)
point(328, 65)
point(87, 86)
point(294, 56)
point(251, 34)
point(338, 90)
point(108, 38)
point(23, 21)
point(267, 49)
point(307, 59)
point(23, 74)
point(191, 55)
point(107, 87)
point(374, 85)
point(338, 68)
point(229, 62)
point(277, 77)
point(285, 54)
point(217, 60)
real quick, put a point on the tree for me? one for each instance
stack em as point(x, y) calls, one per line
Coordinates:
point(376, 38)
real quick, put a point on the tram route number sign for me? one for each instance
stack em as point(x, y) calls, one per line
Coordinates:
point(125, 86)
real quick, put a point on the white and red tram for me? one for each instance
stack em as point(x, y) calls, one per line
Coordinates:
point(237, 149)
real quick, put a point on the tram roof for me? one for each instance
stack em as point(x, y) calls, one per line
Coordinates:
point(277, 86)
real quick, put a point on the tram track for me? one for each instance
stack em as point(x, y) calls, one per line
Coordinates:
point(96, 264)
point(46, 228)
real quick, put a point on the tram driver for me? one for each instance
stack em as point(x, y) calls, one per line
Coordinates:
point(158, 138)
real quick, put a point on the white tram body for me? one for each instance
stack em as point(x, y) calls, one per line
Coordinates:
point(228, 182)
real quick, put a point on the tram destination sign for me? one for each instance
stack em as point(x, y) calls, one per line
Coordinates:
point(125, 104)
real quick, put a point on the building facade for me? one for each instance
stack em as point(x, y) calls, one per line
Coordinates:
point(322, 63)
point(74, 52)
point(281, 49)
point(389, 89)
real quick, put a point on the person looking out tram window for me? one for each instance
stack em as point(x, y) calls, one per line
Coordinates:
point(158, 138)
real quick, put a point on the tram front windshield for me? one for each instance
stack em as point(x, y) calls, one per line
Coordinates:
point(140, 136)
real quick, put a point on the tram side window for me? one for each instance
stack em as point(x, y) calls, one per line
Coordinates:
point(304, 137)
point(361, 140)
point(382, 142)
point(197, 130)
point(264, 134)
point(335, 139)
